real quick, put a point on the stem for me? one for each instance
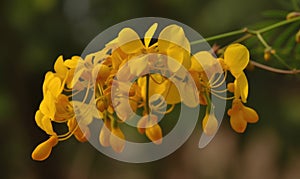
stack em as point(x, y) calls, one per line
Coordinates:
point(247, 31)
point(220, 36)
point(282, 23)
point(275, 70)
point(147, 94)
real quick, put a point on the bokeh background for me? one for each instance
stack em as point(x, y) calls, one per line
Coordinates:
point(35, 32)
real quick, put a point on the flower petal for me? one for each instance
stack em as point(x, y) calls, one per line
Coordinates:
point(43, 150)
point(129, 41)
point(236, 57)
point(241, 87)
point(47, 106)
point(153, 131)
point(250, 114)
point(173, 35)
point(237, 121)
point(117, 140)
point(105, 134)
point(149, 34)
point(60, 68)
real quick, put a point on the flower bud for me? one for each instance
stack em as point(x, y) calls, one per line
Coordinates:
point(105, 134)
point(230, 87)
point(117, 140)
point(210, 124)
point(292, 15)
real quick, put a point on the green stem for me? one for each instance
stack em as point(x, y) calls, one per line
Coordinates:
point(282, 23)
point(247, 31)
point(228, 34)
point(147, 94)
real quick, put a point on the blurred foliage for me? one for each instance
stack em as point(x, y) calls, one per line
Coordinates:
point(35, 32)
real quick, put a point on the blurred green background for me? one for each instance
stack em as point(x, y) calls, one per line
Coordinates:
point(35, 32)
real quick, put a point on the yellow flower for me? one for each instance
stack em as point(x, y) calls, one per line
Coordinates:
point(130, 43)
point(240, 115)
point(43, 150)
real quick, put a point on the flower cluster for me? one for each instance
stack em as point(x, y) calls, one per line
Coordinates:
point(151, 66)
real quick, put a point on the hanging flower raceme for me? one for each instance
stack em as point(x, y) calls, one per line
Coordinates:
point(144, 75)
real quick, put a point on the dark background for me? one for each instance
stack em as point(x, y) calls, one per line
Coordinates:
point(35, 32)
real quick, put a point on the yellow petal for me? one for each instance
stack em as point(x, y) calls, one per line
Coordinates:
point(202, 60)
point(129, 41)
point(76, 77)
point(154, 87)
point(73, 62)
point(60, 68)
point(154, 132)
point(241, 87)
point(172, 42)
point(138, 65)
point(100, 73)
point(173, 35)
point(149, 34)
point(178, 57)
point(171, 93)
point(141, 125)
point(38, 118)
point(117, 140)
point(47, 106)
point(47, 125)
point(54, 86)
point(250, 114)
point(237, 121)
point(44, 122)
point(189, 93)
point(48, 77)
point(104, 135)
point(82, 133)
point(43, 150)
point(236, 57)
point(210, 124)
